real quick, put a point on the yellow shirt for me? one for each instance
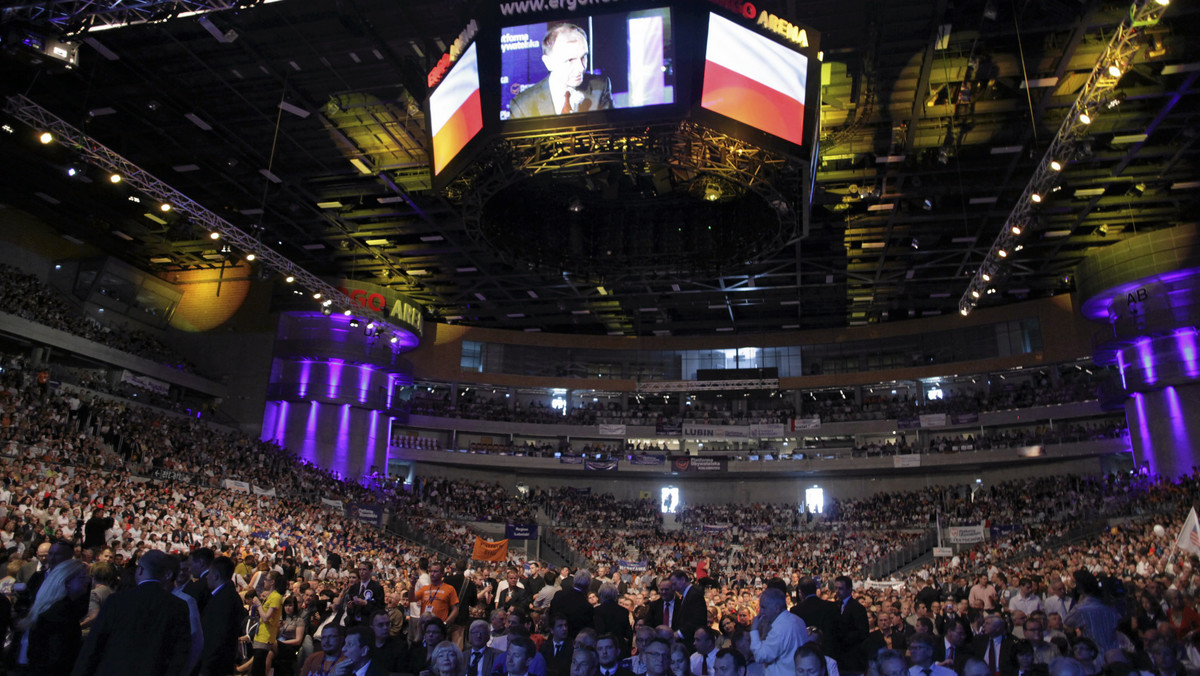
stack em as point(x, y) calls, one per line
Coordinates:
point(267, 631)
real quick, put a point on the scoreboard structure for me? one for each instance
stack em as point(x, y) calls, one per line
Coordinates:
point(609, 137)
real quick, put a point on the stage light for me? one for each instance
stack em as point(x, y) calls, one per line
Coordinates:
point(1085, 118)
point(289, 279)
point(985, 277)
point(114, 178)
point(46, 138)
point(353, 323)
point(317, 296)
point(1002, 253)
point(1036, 197)
point(1056, 165)
point(347, 313)
point(164, 207)
point(1114, 69)
point(1016, 230)
point(964, 311)
point(214, 235)
point(395, 339)
point(974, 293)
point(326, 311)
point(250, 257)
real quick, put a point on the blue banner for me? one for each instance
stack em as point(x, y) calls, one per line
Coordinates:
point(520, 531)
point(643, 459)
point(601, 465)
point(637, 566)
point(372, 514)
point(571, 459)
point(913, 423)
point(964, 418)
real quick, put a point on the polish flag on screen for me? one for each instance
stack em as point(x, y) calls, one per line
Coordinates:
point(754, 80)
point(455, 114)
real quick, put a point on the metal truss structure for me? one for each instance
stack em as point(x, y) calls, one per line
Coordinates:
point(95, 153)
point(73, 17)
point(1096, 95)
point(677, 158)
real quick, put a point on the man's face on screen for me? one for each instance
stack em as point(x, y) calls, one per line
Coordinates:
point(567, 61)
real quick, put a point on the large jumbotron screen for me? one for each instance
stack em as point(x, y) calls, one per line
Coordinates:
point(754, 80)
point(589, 64)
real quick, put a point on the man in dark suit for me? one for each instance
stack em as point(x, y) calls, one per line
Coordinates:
point(693, 609)
point(567, 88)
point(144, 630)
point(852, 628)
point(480, 659)
point(954, 650)
point(357, 650)
point(222, 620)
point(995, 646)
point(818, 614)
point(468, 596)
point(364, 597)
point(94, 529)
point(608, 652)
point(572, 604)
point(556, 650)
point(658, 607)
point(198, 588)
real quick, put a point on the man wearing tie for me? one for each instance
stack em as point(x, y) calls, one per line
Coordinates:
point(557, 650)
point(480, 658)
point(363, 597)
point(703, 661)
point(692, 610)
point(659, 610)
point(568, 87)
point(954, 651)
point(995, 647)
point(920, 650)
point(608, 652)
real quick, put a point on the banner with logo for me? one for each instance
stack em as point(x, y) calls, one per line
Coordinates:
point(964, 418)
point(943, 552)
point(768, 430)
point(146, 382)
point(336, 504)
point(160, 474)
point(908, 423)
point(571, 459)
point(264, 492)
point(700, 464)
point(601, 465)
point(966, 535)
point(635, 566)
point(579, 490)
point(372, 514)
point(520, 531)
point(912, 460)
point(664, 429)
point(760, 528)
point(486, 550)
point(612, 430)
point(813, 423)
point(645, 459)
point(933, 420)
point(239, 486)
point(883, 584)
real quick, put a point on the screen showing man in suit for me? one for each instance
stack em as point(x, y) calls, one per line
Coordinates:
point(591, 64)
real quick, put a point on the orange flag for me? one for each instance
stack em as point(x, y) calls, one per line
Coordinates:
point(490, 551)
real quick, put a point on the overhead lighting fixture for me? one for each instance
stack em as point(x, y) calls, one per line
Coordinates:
point(1036, 197)
point(1002, 253)
point(1016, 230)
point(346, 313)
point(360, 166)
point(334, 204)
point(974, 293)
point(317, 296)
point(164, 207)
point(1114, 69)
point(1085, 118)
point(964, 311)
point(214, 235)
point(114, 178)
point(985, 277)
point(289, 279)
point(46, 138)
point(1056, 165)
point(250, 257)
point(294, 109)
point(195, 119)
point(395, 339)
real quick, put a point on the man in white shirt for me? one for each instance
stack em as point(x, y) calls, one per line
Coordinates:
point(703, 661)
point(920, 650)
point(775, 634)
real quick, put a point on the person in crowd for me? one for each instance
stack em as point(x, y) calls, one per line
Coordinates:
point(52, 636)
point(479, 656)
point(143, 630)
point(775, 634)
point(921, 651)
point(610, 617)
point(222, 620)
point(448, 660)
point(437, 598)
point(584, 662)
point(290, 638)
point(852, 629)
point(325, 660)
point(356, 654)
point(810, 661)
point(693, 609)
point(572, 604)
point(557, 649)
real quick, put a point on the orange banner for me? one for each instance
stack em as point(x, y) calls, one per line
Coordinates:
point(490, 551)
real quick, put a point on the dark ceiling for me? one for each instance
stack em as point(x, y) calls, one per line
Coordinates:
point(928, 139)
